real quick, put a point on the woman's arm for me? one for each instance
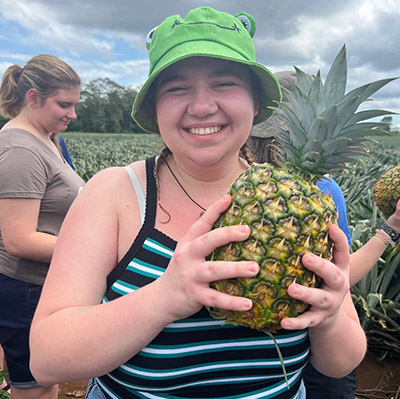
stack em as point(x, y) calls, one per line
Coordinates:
point(76, 336)
point(366, 257)
point(19, 221)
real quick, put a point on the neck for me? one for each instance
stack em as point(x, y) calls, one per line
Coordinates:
point(23, 121)
point(206, 184)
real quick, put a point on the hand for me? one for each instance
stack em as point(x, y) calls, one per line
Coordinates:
point(394, 220)
point(325, 301)
point(185, 285)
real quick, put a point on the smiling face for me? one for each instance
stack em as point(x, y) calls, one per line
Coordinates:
point(205, 108)
point(55, 113)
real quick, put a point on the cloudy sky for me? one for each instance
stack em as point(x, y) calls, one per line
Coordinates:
point(106, 38)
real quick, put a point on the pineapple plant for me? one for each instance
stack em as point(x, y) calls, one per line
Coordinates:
point(387, 191)
point(288, 215)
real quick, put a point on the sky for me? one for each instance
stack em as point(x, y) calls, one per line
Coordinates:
point(106, 39)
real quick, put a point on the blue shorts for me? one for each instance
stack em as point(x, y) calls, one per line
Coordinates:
point(320, 386)
point(93, 390)
point(18, 302)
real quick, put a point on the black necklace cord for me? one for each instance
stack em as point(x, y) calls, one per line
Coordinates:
point(183, 189)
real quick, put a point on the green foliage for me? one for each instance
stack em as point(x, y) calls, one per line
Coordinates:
point(3, 121)
point(377, 295)
point(105, 106)
point(3, 394)
point(92, 152)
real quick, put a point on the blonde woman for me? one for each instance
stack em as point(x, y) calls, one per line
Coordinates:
point(37, 187)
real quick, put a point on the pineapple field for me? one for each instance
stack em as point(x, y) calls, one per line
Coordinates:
point(377, 295)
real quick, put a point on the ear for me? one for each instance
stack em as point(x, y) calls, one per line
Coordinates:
point(33, 98)
point(256, 103)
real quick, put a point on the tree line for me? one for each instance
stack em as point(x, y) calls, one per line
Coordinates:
point(104, 107)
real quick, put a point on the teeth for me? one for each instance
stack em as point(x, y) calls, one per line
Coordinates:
point(206, 130)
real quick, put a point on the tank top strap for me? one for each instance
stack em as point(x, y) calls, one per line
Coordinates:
point(138, 191)
point(150, 203)
point(151, 192)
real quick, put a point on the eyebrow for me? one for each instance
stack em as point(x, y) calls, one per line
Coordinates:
point(225, 72)
point(214, 74)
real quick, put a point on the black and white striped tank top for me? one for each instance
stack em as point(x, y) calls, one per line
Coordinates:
point(197, 357)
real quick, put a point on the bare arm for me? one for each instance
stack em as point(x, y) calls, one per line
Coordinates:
point(75, 336)
point(366, 257)
point(19, 222)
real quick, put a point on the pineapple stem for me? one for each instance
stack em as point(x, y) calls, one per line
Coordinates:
point(280, 358)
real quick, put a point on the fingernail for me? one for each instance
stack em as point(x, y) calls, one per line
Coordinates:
point(310, 258)
point(295, 288)
point(285, 323)
point(243, 228)
point(253, 267)
point(247, 304)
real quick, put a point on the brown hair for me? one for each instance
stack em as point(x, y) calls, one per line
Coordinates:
point(264, 149)
point(44, 73)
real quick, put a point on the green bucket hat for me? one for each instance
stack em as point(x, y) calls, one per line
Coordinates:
point(204, 32)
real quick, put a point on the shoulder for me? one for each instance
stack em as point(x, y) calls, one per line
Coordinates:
point(114, 182)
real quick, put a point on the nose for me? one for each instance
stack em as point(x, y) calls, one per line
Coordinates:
point(72, 113)
point(202, 103)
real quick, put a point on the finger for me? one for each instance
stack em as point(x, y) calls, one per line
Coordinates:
point(317, 297)
point(310, 318)
point(205, 244)
point(341, 252)
point(216, 299)
point(221, 270)
point(328, 271)
point(211, 215)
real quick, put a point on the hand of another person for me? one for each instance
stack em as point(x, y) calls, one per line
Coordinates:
point(325, 301)
point(394, 220)
point(185, 285)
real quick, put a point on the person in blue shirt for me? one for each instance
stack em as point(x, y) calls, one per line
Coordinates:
point(329, 186)
point(65, 152)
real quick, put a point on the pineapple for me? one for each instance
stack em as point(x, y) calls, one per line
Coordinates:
point(288, 215)
point(387, 191)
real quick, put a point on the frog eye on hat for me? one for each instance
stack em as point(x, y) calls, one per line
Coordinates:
point(149, 36)
point(248, 22)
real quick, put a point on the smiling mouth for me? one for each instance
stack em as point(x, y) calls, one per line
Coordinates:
point(203, 131)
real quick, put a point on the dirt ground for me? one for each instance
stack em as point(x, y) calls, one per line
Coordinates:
point(374, 381)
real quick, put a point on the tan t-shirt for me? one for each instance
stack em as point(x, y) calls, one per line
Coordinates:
point(29, 169)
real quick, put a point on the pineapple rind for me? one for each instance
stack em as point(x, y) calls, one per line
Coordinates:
point(288, 217)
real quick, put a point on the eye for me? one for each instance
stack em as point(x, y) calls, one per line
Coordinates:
point(225, 84)
point(149, 36)
point(248, 22)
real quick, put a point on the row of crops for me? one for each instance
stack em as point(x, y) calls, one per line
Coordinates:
point(377, 295)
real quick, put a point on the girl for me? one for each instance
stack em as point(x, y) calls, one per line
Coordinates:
point(125, 298)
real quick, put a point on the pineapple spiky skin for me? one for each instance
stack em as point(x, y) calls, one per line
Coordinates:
point(286, 212)
point(387, 191)
point(288, 217)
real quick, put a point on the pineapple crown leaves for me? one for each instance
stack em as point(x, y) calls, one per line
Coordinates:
point(323, 131)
